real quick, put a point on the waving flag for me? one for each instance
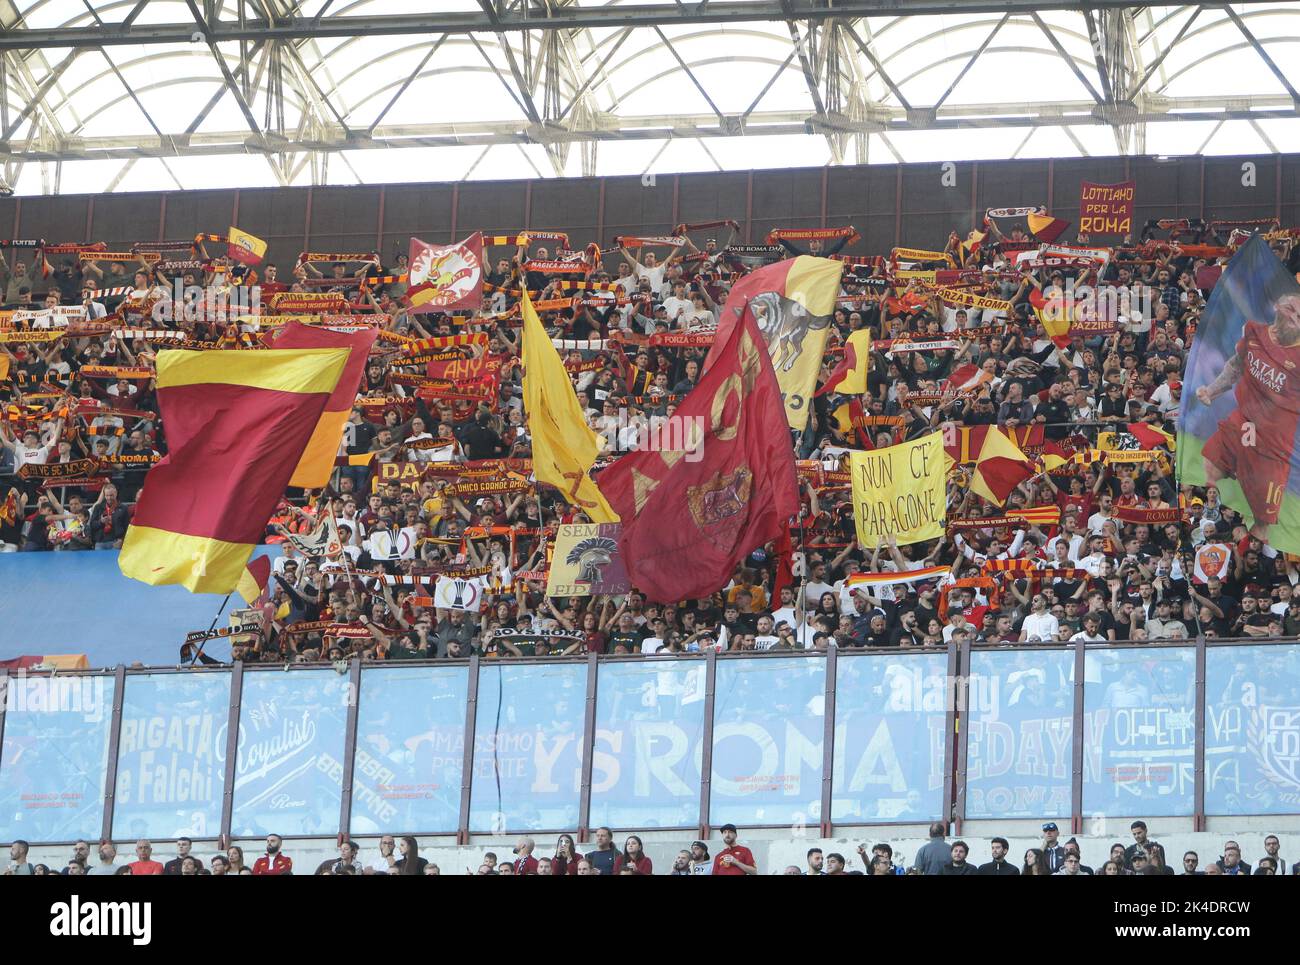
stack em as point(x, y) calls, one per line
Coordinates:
point(445, 277)
point(999, 468)
point(792, 302)
point(245, 248)
point(564, 447)
point(317, 462)
point(237, 424)
point(252, 584)
point(850, 376)
point(688, 522)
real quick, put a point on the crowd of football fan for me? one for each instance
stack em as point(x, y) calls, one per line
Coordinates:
point(1124, 581)
point(939, 856)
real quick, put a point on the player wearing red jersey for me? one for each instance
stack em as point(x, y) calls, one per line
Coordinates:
point(1253, 444)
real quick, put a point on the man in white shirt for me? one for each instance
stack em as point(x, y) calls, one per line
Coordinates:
point(1105, 513)
point(31, 448)
point(1039, 624)
point(386, 862)
point(1070, 536)
point(678, 306)
point(1090, 632)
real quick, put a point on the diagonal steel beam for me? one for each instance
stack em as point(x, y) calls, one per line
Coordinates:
point(1160, 59)
point(1095, 40)
point(689, 73)
point(504, 44)
point(1056, 45)
point(1263, 54)
point(876, 64)
point(971, 63)
point(40, 92)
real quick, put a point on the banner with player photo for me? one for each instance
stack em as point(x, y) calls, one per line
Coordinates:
point(1241, 416)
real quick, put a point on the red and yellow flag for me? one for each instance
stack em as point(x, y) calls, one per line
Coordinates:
point(792, 301)
point(237, 424)
point(245, 248)
point(317, 460)
point(850, 376)
point(727, 481)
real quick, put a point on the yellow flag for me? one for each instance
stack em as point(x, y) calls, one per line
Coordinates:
point(244, 248)
point(900, 490)
point(564, 447)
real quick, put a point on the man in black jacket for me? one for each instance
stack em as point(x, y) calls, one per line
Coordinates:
point(999, 864)
point(1052, 850)
point(959, 865)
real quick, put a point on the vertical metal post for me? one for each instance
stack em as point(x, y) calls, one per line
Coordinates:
point(956, 697)
point(162, 217)
point(677, 187)
point(379, 225)
point(588, 746)
point(232, 749)
point(467, 764)
point(828, 737)
point(1198, 752)
point(114, 741)
point(959, 773)
point(234, 209)
point(90, 217)
point(1051, 182)
point(455, 208)
point(1077, 733)
point(528, 204)
point(706, 749)
point(350, 745)
point(974, 192)
point(18, 216)
point(5, 684)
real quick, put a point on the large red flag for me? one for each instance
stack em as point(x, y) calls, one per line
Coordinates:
point(445, 277)
point(727, 483)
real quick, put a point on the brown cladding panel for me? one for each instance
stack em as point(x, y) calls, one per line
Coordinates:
point(193, 212)
point(569, 205)
point(495, 208)
point(1234, 191)
point(55, 219)
point(123, 219)
point(712, 197)
point(1012, 184)
point(345, 213)
point(936, 200)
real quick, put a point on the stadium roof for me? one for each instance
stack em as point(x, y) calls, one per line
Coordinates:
point(103, 95)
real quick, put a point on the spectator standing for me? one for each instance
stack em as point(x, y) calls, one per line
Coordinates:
point(274, 862)
point(144, 864)
point(934, 854)
point(734, 859)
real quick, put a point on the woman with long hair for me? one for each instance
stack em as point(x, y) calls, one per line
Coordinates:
point(633, 856)
point(1035, 862)
point(566, 857)
point(410, 863)
point(235, 855)
point(1110, 868)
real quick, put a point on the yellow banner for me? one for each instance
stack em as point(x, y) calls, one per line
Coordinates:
point(907, 274)
point(900, 491)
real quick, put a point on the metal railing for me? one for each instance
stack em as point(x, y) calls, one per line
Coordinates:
point(933, 758)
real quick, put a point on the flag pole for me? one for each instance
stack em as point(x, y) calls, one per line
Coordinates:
point(203, 642)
